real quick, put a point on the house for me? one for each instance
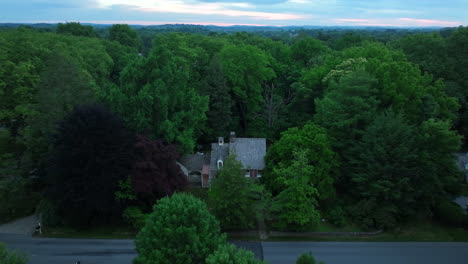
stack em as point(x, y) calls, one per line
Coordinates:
point(462, 164)
point(249, 151)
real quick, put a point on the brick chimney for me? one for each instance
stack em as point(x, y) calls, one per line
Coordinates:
point(232, 137)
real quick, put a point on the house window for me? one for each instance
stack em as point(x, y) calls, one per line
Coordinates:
point(220, 164)
point(247, 173)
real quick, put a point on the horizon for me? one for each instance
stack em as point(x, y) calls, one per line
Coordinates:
point(270, 13)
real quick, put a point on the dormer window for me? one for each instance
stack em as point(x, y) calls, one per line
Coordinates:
point(220, 164)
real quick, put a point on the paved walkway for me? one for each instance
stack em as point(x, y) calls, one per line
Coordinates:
point(22, 226)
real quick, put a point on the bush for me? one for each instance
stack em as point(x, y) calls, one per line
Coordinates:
point(307, 258)
point(11, 257)
point(450, 213)
point(135, 217)
point(229, 254)
point(336, 216)
point(48, 214)
point(179, 230)
point(16, 198)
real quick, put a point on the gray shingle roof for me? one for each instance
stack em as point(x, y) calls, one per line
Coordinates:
point(462, 159)
point(193, 162)
point(218, 153)
point(250, 152)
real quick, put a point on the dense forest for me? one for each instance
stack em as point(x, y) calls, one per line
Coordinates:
point(361, 124)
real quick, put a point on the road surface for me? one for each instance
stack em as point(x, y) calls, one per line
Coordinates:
point(98, 251)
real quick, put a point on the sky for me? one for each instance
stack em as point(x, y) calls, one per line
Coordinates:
point(395, 13)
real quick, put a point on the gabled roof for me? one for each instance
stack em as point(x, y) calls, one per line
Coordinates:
point(250, 152)
point(462, 161)
point(218, 153)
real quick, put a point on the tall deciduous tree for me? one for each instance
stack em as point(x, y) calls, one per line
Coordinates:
point(126, 36)
point(246, 67)
point(319, 154)
point(76, 29)
point(179, 230)
point(92, 152)
point(155, 98)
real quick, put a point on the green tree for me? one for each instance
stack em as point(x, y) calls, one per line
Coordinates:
point(385, 170)
point(62, 85)
point(179, 230)
point(92, 152)
point(296, 206)
point(11, 257)
point(219, 114)
point(314, 140)
point(228, 254)
point(229, 196)
point(307, 51)
point(155, 98)
point(246, 67)
point(76, 29)
point(126, 36)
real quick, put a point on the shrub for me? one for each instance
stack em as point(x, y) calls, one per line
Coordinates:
point(48, 214)
point(229, 254)
point(450, 213)
point(337, 216)
point(11, 257)
point(16, 198)
point(135, 217)
point(307, 258)
point(179, 230)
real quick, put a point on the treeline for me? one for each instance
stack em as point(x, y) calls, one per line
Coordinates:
point(359, 129)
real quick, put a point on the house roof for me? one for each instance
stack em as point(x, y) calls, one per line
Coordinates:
point(193, 162)
point(462, 161)
point(218, 153)
point(250, 152)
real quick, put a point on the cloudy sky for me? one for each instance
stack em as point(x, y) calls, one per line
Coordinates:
point(246, 12)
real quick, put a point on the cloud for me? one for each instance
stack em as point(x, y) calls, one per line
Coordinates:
point(397, 22)
point(253, 2)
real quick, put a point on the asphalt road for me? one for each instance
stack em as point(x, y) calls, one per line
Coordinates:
point(97, 251)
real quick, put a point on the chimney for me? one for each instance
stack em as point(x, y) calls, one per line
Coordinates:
point(220, 141)
point(232, 137)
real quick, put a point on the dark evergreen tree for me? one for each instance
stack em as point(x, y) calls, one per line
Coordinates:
point(219, 114)
point(92, 152)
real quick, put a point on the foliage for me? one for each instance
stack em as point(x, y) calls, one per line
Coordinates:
point(17, 198)
point(246, 68)
point(126, 36)
point(306, 258)
point(76, 29)
point(296, 206)
point(179, 230)
point(155, 98)
point(62, 83)
point(11, 257)
point(155, 172)
point(92, 152)
point(135, 217)
point(227, 254)
point(307, 51)
point(229, 196)
point(314, 140)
